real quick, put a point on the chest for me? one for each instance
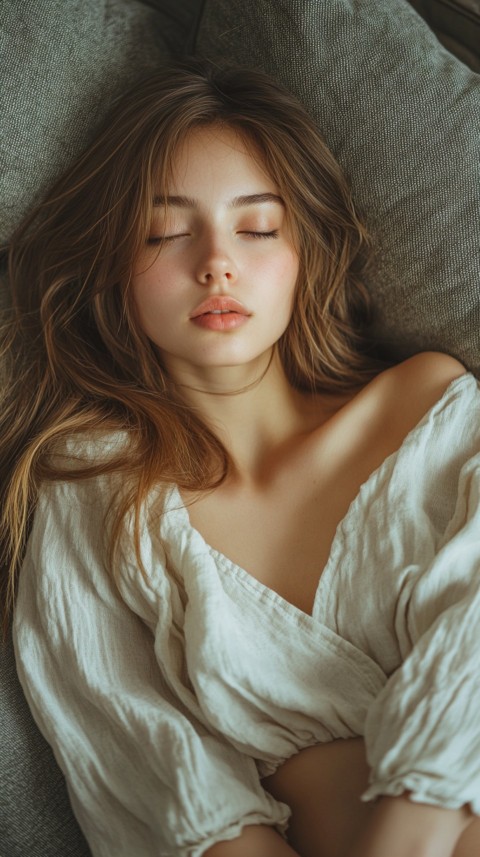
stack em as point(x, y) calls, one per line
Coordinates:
point(282, 535)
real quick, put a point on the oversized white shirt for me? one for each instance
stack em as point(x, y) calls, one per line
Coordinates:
point(167, 704)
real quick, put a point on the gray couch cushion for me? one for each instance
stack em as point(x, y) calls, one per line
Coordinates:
point(61, 65)
point(35, 817)
point(457, 25)
point(401, 114)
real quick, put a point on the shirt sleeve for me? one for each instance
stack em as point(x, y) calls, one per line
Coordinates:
point(423, 730)
point(145, 776)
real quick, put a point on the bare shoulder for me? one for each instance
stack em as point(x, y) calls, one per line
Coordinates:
point(374, 422)
point(409, 389)
point(425, 376)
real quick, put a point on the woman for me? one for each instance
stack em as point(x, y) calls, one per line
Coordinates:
point(191, 394)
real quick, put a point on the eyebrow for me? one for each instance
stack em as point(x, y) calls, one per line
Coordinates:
point(236, 202)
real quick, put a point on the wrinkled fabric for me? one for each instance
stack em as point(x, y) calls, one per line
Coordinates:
point(167, 701)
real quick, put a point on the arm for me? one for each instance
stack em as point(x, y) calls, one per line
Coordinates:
point(400, 828)
point(146, 776)
point(323, 783)
point(422, 732)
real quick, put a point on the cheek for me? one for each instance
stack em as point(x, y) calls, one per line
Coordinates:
point(156, 308)
point(154, 289)
point(290, 274)
point(143, 295)
point(283, 275)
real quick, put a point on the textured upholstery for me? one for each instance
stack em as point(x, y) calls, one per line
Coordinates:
point(401, 114)
point(62, 64)
point(35, 815)
point(457, 25)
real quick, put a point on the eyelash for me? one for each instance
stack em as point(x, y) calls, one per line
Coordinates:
point(164, 240)
point(272, 234)
point(168, 238)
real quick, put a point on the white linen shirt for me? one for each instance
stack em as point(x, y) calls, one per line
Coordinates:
point(165, 706)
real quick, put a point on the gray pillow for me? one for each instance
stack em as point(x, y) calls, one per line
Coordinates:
point(35, 817)
point(401, 114)
point(62, 63)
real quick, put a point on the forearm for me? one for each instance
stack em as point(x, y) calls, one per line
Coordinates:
point(398, 827)
point(255, 841)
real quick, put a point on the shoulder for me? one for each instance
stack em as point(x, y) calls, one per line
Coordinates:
point(406, 392)
point(420, 381)
point(416, 383)
point(428, 369)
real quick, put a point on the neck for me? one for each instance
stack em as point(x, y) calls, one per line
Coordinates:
point(256, 414)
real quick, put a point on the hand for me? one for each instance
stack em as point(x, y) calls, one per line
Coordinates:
point(398, 827)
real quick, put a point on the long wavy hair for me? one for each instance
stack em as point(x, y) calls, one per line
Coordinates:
point(75, 360)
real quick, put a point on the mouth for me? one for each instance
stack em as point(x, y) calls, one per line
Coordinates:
point(220, 311)
point(220, 314)
point(220, 306)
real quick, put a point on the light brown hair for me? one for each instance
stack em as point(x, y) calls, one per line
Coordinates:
point(75, 358)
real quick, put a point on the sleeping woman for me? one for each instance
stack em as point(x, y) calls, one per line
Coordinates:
point(242, 551)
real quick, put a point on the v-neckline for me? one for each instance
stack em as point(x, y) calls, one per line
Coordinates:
point(344, 524)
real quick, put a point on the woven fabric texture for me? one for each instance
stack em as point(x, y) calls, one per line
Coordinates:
point(62, 64)
point(401, 114)
point(35, 817)
point(457, 25)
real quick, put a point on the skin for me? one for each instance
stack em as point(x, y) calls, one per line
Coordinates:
point(218, 245)
point(296, 459)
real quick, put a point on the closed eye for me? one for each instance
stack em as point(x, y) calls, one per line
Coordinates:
point(164, 239)
point(272, 234)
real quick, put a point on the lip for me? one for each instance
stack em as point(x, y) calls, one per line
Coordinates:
point(220, 303)
point(223, 321)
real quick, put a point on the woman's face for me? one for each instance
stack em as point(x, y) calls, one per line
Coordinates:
point(220, 292)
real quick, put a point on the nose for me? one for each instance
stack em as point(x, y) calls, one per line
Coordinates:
point(216, 266)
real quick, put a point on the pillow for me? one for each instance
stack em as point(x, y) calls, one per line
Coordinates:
point(401, 115)
point(457, 25)
point(61, 66)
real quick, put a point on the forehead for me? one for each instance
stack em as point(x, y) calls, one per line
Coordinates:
point(218, 161)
